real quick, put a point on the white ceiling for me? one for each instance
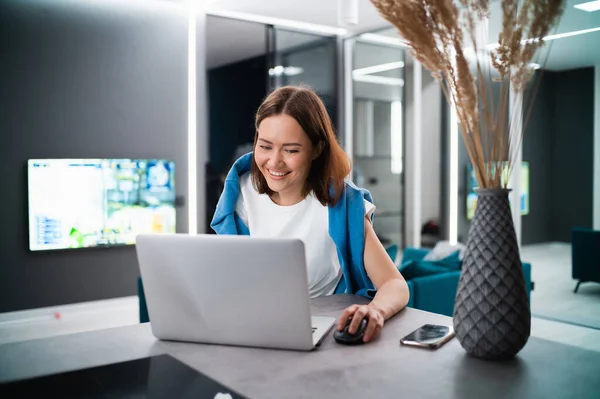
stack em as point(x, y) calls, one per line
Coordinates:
point(232, 40)
point(229, 40)
point(320, 12)
point(566, 53)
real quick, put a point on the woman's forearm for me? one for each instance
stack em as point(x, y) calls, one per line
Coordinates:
point(391, 297)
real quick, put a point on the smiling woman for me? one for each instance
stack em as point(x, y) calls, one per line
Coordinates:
point(283, 166)
point(296, 150)
point(293, 185)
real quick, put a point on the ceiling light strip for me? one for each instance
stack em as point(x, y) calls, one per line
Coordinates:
point(382, 80)
point(590, 6)
point(380, 39)
point(379, 68)
point(279, 22)
point(569, 34)
point(554, 37)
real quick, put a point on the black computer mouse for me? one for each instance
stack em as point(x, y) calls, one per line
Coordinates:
point(344, 337)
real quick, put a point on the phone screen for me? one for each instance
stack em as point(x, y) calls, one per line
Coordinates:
point(430, 335)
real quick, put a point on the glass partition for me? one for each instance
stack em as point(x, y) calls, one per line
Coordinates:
point(377, 133)
point(298, 58)
point(557, 224)
point(236, 63)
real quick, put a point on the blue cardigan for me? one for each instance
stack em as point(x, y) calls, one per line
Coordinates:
point(346, 227)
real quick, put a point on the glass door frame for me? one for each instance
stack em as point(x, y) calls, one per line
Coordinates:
point(347, 53)
point(273, 58)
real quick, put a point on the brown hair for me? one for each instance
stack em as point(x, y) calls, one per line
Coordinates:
point(331, 166)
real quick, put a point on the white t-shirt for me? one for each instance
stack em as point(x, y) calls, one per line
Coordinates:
point(307, 220)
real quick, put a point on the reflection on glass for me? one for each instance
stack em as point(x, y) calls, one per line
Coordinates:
point(305, 59)
point(378, 133)
point(236, 77)
point(396, 137)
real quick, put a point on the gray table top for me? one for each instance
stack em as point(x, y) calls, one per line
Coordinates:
point(381, 369)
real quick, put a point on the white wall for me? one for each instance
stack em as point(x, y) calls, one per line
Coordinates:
point(387, 190)
point(431, 149)
point(201, 120)
point(409, 156)
point(597, 148)
point(430, 159)
point(372, 138)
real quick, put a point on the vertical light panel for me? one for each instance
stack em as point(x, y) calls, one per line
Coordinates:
point(596, 198)
point(418, 134)
point(453, 186)
point(192, 132)
point(341, 89)
point(396, 136)
point(349, 98)
point(515, 115)
point(364, 121)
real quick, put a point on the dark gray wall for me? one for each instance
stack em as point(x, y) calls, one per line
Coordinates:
point(558, 144)
point(538, 150)
point(573, 156)
point(463, 224)
point(84, 79)
point(233, 90)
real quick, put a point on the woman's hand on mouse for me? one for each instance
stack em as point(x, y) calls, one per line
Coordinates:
point(358, 313)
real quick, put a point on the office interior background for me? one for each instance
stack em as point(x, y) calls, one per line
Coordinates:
point(182, 81)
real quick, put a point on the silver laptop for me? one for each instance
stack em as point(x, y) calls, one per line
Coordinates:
point(229, 290)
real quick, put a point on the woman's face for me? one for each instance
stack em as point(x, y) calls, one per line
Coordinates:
point(284, 154)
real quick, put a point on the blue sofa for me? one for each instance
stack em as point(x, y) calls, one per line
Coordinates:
point(436, 293)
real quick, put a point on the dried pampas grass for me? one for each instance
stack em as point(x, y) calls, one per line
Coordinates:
point(434, 31)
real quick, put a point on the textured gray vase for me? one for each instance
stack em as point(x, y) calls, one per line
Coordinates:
point(492, 319)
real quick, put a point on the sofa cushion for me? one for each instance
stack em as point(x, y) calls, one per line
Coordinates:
point(444, 249)
point(413, 268)
point(436, 293)
point(392, 251)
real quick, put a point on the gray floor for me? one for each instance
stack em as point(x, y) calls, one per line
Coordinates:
point(553, 297)
point(550, 271)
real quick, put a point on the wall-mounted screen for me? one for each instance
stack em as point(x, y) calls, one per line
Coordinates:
point(82, 203)
point(472, 185)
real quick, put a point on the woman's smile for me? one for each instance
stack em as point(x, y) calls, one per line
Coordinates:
point(277, 175)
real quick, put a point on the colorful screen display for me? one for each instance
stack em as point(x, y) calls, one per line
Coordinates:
point(81, 203)
point(472, 185)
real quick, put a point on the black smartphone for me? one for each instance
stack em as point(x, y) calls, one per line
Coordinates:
point(430, 336)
